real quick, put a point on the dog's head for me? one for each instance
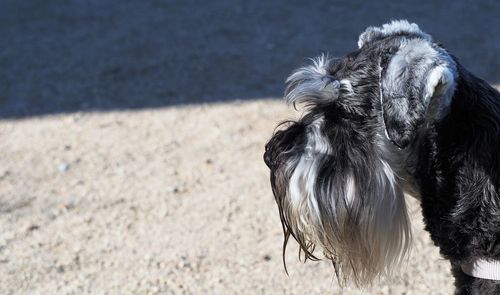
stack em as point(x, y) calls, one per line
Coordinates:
point(334, 173)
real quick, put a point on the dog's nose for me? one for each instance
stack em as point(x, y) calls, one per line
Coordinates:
point(331, 84)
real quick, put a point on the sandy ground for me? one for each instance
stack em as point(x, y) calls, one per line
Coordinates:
point(167, 201)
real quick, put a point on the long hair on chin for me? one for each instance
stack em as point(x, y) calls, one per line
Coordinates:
point(335, 188)
point(352, 210)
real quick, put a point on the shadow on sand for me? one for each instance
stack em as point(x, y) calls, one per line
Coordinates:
point(96, 55)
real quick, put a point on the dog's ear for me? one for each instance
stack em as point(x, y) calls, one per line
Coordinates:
point(417, 79)
point(312, 84)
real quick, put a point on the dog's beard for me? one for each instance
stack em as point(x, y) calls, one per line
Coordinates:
point(355, 211)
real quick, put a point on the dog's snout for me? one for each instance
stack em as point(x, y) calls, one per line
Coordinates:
point(330, 83)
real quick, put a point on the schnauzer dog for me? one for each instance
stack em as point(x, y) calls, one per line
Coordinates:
point(398, 116)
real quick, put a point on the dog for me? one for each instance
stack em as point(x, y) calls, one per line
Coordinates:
point(399, 115)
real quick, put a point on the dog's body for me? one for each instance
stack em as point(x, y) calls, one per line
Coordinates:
point(458, 173)
point(398, 115)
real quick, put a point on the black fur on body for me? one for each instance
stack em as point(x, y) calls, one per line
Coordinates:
point(458, 175)
point(400, 100)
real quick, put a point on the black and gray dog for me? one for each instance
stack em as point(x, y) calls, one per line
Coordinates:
point(400, 115)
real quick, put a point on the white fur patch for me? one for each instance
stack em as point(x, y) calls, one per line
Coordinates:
point(303, 180)
point(440, 86)
point(350, 191)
